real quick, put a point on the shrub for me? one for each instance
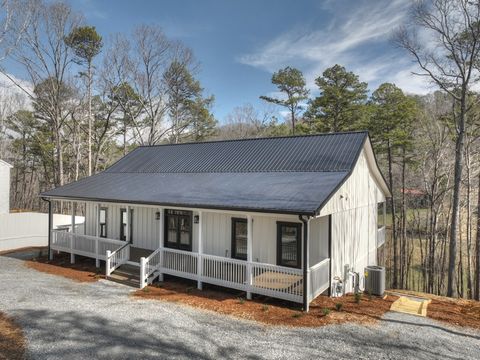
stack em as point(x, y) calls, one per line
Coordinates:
point(189, 289)
point(146, 289)
point(297, 314)
point(325, 311)
point(265, 307)
point(241, 300)
point(338, 306)
point(358, 298)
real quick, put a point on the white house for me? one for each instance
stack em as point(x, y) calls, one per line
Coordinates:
point(284, 217)
point(4, 187)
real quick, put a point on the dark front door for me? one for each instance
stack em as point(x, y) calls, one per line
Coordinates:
point(123, 224)
point(178, 229)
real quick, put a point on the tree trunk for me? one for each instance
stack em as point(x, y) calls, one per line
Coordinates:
point(394, 228)
point(459, 145)
point(477, 248)
point(403, 250)
point(89, 117)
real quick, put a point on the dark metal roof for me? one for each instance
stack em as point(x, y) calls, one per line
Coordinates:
point(283, 175)
point(325, 152)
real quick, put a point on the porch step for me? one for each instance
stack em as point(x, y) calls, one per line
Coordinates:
point(127, 275)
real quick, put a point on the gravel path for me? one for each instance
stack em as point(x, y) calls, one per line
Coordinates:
point(63, 319)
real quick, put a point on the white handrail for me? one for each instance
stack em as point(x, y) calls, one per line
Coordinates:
point(116, 258)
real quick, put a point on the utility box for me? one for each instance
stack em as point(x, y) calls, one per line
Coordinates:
point(375, 280)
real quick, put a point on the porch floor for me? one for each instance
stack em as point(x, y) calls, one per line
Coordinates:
point(136, 253)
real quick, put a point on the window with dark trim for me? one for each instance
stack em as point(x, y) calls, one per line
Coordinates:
point(289, 244)
point(178, 229)
point(239, 238)
point(102, 220)
point(123, 224)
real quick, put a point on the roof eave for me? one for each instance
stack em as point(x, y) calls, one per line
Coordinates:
point(195, 206)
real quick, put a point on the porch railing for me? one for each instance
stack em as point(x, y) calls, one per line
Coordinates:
point(116, 258)
point(380, 236)
point(266, 279)
point(84, 245)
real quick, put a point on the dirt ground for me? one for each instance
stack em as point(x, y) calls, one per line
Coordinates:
point(269, 311)
point(12, 340)
point(457, 312)
point(83, 270)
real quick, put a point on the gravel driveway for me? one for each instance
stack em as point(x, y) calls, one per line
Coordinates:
point(63, 319)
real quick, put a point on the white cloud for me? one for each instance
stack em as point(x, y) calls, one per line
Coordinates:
point(348, 40)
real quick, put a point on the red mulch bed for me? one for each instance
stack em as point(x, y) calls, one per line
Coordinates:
point(12, 340)
point(270, 311)
point(83, 270)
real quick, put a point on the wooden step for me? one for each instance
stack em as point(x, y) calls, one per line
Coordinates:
point(126, 274)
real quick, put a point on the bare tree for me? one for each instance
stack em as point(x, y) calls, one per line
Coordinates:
point(46, 58)
point(448, 60)
point(245, 122)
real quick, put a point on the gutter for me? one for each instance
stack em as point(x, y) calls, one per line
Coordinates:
point(50, 225)
point(305, 222)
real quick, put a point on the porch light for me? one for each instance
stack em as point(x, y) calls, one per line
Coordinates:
point(196, 219)
point(157, 215)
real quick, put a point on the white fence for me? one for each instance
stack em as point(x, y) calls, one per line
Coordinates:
point(19, 230)
point(319, 280)
point(264, 279)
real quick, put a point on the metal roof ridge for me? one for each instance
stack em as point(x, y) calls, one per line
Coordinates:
point(257, 138)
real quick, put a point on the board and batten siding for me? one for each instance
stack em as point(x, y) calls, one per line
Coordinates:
point(4, 187)
point(217, 232)
point(353, 209)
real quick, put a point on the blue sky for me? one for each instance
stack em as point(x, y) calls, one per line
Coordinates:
point(239, 44)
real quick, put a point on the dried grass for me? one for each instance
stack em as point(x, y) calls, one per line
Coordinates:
point(12, 340)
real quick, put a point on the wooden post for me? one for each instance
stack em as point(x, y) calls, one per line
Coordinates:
point(200, 252)
point(107, 263)
point(143, 280)
point(249, 255)
point(72, 236)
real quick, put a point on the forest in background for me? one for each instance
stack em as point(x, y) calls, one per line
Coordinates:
point(75, 113)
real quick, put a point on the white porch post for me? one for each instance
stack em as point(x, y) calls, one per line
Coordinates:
point(72, 255)
point(127, 235)
point(306, 264)
point(97, 234)
point(200, 251)
point(161, 235)
point(97, 219)
point(249, 255)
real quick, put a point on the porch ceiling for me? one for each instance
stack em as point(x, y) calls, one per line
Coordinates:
point(278, 192)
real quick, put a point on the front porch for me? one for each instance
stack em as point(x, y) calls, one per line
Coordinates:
point(252, 277)
point(210, 243)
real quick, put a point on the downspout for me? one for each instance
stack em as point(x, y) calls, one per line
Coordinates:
point(50, 226)
point(305, 261)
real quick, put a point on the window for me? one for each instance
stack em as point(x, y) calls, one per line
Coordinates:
point(103, 222)
point(239, 238)
point(178, 229)
point(123, 224)
point(381, 214)
point(289, 244)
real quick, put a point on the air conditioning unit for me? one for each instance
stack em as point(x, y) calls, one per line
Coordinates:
point(375, 280)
